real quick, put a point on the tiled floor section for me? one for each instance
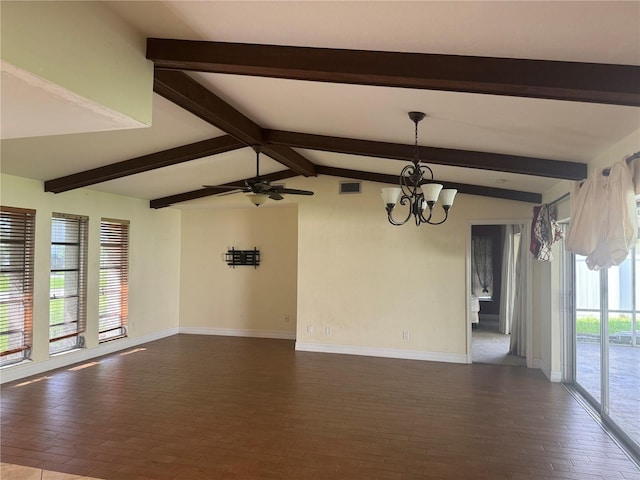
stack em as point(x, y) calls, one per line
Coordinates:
point(20, 472)
point(201, 407)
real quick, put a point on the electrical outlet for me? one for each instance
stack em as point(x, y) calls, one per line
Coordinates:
point(286, 318)
point(327, 330)
point(309, 329)
point(405, 335)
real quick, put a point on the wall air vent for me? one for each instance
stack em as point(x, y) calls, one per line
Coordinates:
point(350, 187)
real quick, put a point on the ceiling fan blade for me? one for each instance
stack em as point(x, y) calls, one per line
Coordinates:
point(224, 194)
point(275, 196)
point(221, 188)
point(292, 191)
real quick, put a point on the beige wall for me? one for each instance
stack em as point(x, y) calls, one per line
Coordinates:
point(84, 48)
point(154, 275)
point(330, 261)
point(216, 298)
point(369, 281)
point(360, 281)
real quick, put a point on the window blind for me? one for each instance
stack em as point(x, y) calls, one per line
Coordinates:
point(114, 279)
point(17, 235)
point(68, 281)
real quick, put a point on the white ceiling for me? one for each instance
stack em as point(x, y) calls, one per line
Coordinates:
point(601, 32)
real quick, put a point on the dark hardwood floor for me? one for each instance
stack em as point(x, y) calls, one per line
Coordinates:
point(201, 407)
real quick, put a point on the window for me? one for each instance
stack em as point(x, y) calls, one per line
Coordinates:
point(114, 279)
point(17, 235)
point(68, 282)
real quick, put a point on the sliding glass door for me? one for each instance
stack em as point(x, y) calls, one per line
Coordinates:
point(623, 376)
point(588, 329)
point(607, 342)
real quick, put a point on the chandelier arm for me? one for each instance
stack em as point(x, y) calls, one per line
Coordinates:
point(410, 180)
point(404, 200)
point(446, 215)
point(417, 215)
point(427, 167)
point(423, 219)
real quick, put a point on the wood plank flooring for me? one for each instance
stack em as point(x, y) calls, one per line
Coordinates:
point(193, 407)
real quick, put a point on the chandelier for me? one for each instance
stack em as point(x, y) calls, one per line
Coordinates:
point(417, 189)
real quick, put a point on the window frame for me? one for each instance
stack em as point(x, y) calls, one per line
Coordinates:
point(597, 392)
point(17, 227)
point(113, 301)
point(69, 316)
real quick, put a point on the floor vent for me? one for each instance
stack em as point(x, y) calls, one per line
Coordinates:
point(350, 187)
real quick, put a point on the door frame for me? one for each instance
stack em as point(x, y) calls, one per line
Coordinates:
point(528, 314)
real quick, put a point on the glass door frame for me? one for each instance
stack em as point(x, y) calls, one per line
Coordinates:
point(569, 342)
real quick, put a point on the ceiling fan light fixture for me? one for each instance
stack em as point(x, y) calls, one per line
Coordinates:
point(257, 198)
point(417, 190)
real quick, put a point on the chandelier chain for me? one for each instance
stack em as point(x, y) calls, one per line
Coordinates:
point(415, 143)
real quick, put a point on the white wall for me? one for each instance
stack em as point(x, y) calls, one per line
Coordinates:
point(362, 281)
point(218, 299)
point(154, 275)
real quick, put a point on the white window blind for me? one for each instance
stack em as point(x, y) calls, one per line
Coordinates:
point(68, 282)
point(17, 235)
point(114, 279)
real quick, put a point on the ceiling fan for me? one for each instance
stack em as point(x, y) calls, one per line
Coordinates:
point(258, 189)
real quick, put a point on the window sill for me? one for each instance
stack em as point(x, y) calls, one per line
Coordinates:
point(107, 340)
point(10, 365)
point(59, 354)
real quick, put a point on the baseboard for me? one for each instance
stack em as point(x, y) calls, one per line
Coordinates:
point(553, 375)
point(382, 352)
point(27, 369)
point(238, 332)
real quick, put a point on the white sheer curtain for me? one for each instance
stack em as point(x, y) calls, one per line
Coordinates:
point(508, 286)
point(519, 332)
point(482, 266)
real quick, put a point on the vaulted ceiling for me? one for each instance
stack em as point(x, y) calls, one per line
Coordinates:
point(518, 96)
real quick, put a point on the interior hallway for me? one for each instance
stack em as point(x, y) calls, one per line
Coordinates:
point(205, 407)
point(490, 346)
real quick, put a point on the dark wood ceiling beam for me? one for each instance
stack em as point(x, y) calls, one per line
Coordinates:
point(461, 187)
point(557, 80)
point(187, 93)
point(290, 159)
point(442, 156)
point(145, 163)
point(210, 191)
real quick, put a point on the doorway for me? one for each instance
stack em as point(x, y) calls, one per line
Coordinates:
point(499, 295)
